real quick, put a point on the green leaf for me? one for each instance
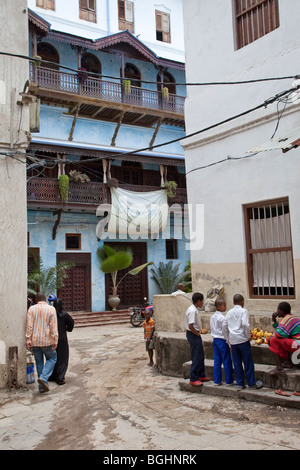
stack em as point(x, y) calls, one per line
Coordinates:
point(138, 269)
point(168, 276)
point(118, 261)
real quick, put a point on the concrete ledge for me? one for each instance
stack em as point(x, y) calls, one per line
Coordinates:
point(289, 380)
point(263, 395)
point(173, 350)
point(262, 320)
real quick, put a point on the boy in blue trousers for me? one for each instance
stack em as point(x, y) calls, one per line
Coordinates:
point(237, 327)
point(221, 349)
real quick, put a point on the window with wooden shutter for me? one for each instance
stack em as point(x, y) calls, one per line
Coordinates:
point(126, 15)
point(254, 19)
point(269, 249)
point(46, 4)
point(163, 32)
point(87, 10)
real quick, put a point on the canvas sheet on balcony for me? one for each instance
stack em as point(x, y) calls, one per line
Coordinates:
point(138, 213)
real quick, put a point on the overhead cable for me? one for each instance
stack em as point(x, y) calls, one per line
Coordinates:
point(99, 75)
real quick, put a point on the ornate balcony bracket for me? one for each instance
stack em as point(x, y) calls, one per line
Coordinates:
point(113, 141)
point(159, 123)
point(74, 121)
point(57, 222)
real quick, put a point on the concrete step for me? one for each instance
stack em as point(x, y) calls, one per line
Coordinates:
point(289, 380)
point(263, 395)
point(173, 350)
point(86, 319)
point(261, 353)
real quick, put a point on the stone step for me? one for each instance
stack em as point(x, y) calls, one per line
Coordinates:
point(289, 380)
point(173, 350)
point(261, 353)
point(86, 319)
point(263, 395)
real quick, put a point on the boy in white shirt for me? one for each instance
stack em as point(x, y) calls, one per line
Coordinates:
point(237, 328)
point(193, 334)
point(221, 349)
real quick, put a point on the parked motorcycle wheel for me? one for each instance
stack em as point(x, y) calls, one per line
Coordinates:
point(136, 319)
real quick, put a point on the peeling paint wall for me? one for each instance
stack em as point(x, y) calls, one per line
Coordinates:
point(13, 228)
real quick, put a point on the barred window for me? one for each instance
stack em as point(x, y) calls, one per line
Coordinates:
point(171, 249)
point(269, 249)
point(255, 19)
point(73, 241)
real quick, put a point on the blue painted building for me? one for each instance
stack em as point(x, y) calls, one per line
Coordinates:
point(104, 105)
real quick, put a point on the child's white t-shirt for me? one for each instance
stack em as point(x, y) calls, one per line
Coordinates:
point(191, 316)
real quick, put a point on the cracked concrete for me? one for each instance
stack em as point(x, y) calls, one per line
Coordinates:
point(113, 401)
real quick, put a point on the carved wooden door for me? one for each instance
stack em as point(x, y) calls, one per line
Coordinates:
point(76, 293)
point(133, 289)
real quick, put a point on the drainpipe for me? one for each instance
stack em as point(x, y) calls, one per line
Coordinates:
point(108, 16)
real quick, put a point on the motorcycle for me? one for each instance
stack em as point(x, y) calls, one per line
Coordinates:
point(137, 314)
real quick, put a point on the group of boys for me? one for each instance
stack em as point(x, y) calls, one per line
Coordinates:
point(231, 342)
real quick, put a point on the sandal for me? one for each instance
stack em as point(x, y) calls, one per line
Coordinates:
point(282, 393)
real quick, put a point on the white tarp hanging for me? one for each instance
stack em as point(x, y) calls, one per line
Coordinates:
point(136, 214)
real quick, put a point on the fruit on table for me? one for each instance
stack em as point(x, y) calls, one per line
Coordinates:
point(259, 341)
point(259, 336)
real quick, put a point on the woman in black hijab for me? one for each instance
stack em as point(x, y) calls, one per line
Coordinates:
point(65, 323)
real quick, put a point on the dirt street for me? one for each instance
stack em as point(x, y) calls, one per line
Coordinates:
point(114, 401)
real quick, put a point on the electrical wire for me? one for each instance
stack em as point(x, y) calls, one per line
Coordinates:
point(99, 75)
point(267, 102)
point(201, 131)
point(221, 161)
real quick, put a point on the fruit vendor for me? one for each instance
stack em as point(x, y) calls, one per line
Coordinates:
point(286, 339)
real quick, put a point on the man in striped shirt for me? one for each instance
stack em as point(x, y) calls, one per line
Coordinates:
point(42, 338)
point(286, 338)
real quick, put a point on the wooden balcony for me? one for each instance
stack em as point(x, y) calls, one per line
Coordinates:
point(43, 193)
point(104, 99)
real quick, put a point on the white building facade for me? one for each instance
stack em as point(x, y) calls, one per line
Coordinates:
point(244, 172)
point(157, 24)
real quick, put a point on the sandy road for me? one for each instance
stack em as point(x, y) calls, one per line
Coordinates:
point(113, 401)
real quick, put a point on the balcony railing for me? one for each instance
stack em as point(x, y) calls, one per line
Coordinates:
point(45, 192)
point(109, 91)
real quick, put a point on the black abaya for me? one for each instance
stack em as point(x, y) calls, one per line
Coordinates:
point(64, 323)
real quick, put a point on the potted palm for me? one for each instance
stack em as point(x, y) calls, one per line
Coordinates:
point(113, 260)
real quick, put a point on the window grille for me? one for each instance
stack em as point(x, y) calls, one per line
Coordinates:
point(269, 250)
point(73, 241)
point(171, 249)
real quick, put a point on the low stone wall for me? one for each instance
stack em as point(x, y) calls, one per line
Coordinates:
point(172, 347)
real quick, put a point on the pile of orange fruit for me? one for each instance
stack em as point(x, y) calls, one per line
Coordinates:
point(260, 336)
